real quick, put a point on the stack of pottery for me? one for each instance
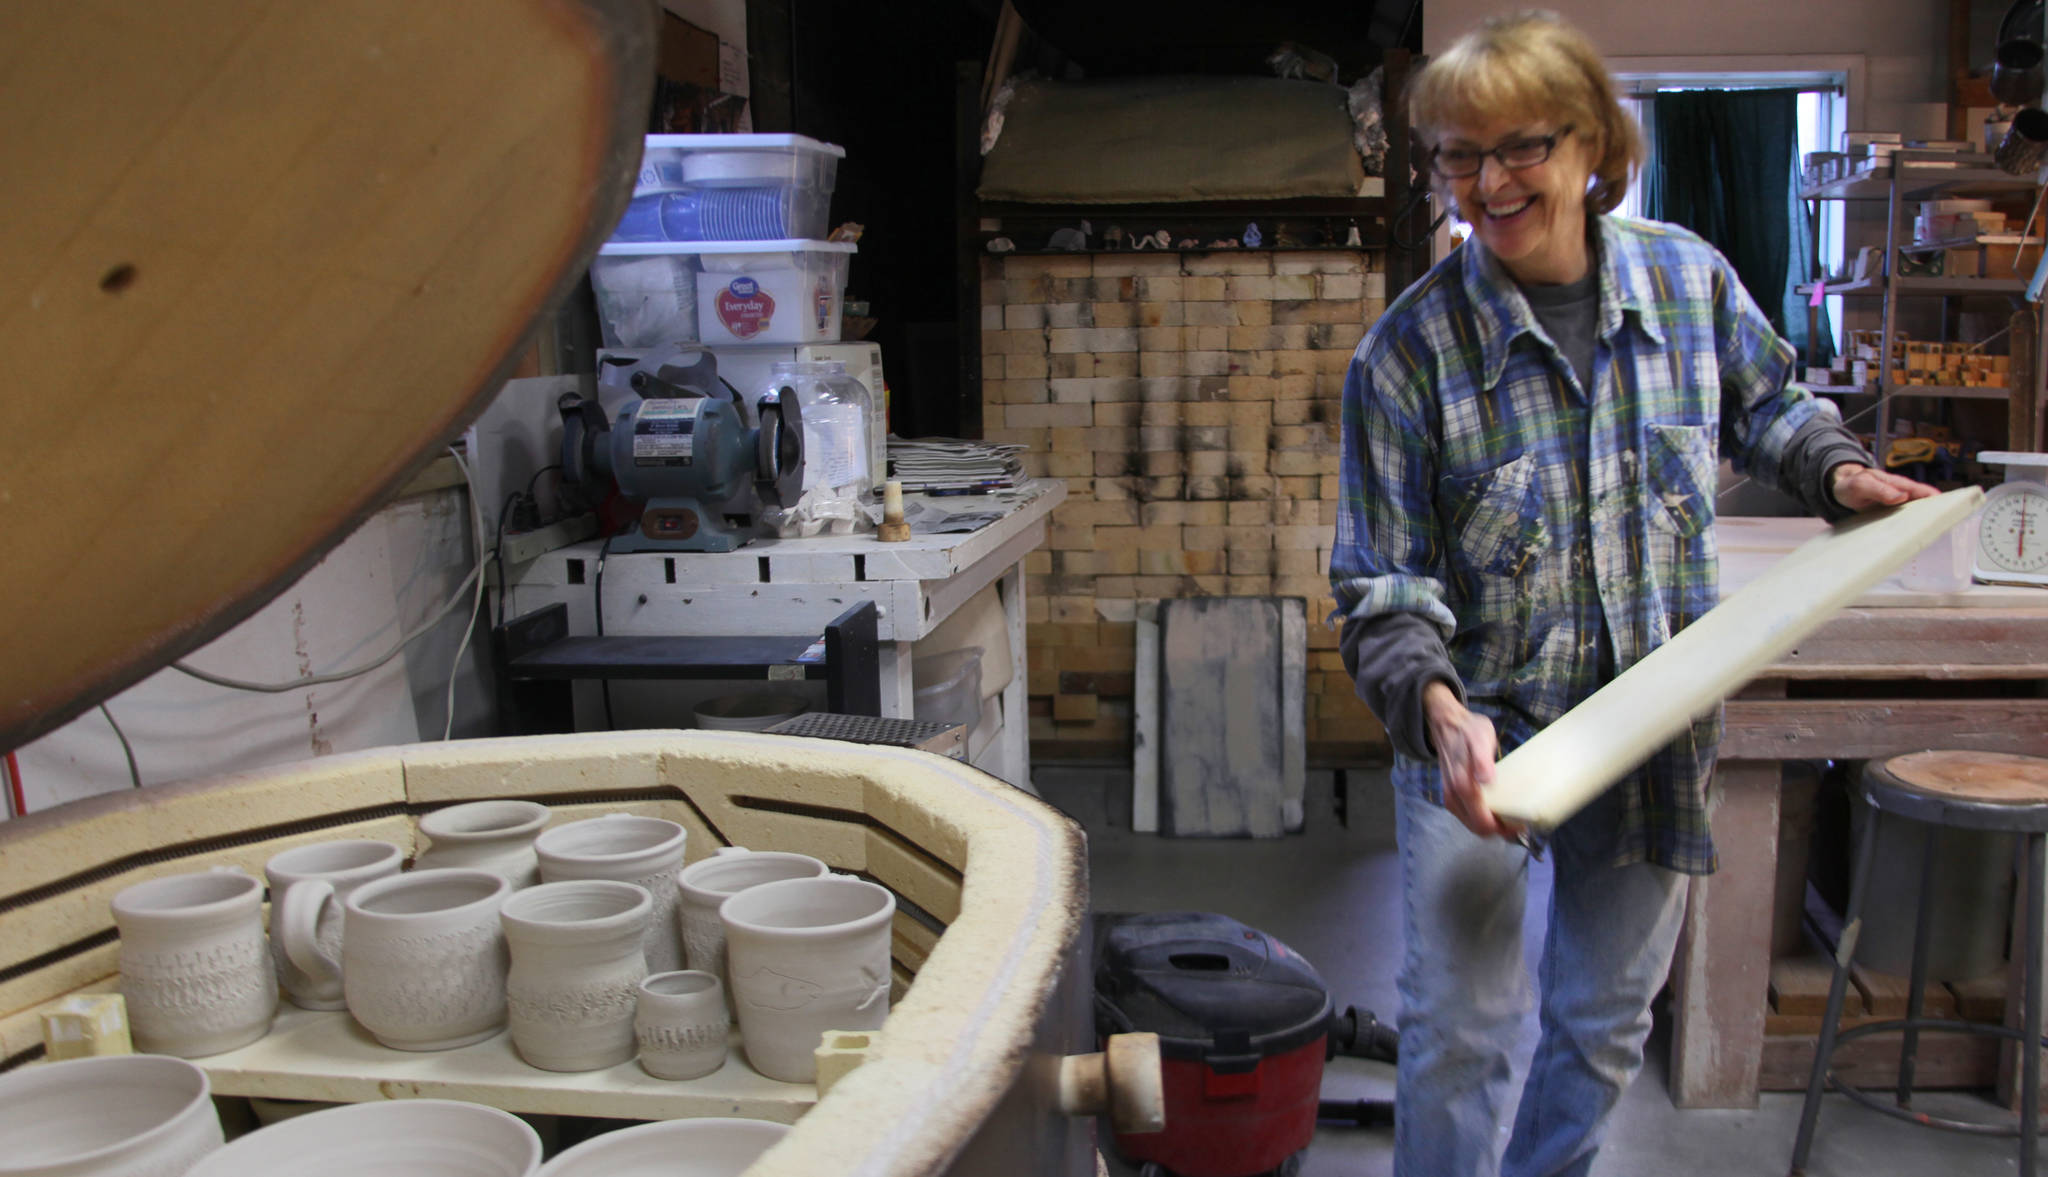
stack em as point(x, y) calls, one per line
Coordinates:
point(132, 1115)
point(644, 851)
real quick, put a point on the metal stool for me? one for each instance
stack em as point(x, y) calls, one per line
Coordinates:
point(1963, 790)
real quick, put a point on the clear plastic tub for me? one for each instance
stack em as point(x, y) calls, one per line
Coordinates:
point(1944, 565)
point(754, 291)
point(647, 300)
point(669, 162)
point(946, 688)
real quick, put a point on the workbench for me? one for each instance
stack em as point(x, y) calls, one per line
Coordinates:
point(799, 586)
point(1897, 672)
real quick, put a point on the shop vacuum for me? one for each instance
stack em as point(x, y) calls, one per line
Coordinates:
point(1245, 1026)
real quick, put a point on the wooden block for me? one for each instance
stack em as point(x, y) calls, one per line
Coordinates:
point(1945, 1060)
point(1980, 999)
point(1885, 995)
point(1799, 986)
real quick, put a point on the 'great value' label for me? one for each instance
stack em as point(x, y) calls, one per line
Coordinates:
point(745, 308)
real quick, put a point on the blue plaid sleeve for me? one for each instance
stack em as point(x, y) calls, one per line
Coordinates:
point(1389, 551)
point(1761, 408)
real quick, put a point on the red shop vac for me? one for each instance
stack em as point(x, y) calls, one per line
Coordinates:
point(1245, 1026)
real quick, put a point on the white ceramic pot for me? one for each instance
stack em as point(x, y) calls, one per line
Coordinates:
point(424, 959)
point(681, 1025)
point(576, 970)
point(630, 849)
point(195, 971)
point(806, 956)
point(412, 1137)
point(308, 885)
point(496, 836)
point(135, 1115)
point(705, 884)
point(706, 1147)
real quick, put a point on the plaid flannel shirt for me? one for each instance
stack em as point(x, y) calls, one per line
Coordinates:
point(1533, 520)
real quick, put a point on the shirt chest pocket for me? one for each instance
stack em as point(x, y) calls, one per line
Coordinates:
point(1680, 472)
point(1496, 520)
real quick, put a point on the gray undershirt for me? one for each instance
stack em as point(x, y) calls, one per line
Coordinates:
point(1570, 315)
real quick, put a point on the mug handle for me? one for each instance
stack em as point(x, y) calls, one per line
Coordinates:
point(298, 923)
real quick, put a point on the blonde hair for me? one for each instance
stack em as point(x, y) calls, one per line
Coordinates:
point(1532, 66)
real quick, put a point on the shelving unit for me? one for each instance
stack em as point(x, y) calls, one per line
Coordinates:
point(1913, 176)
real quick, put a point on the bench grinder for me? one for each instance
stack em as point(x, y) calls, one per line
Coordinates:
point(685, 447)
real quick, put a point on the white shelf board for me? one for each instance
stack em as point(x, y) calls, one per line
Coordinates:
point(327, 1056)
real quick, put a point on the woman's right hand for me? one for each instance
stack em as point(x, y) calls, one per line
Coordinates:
point(1466, 748)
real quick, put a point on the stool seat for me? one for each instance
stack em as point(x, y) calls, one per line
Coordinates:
point(1969, 790)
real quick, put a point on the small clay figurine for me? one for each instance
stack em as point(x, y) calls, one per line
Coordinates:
point(1252, 237)
point(1001, 245)
point(1352, 239)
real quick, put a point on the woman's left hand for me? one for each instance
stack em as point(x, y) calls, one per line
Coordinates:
point(1859, 488)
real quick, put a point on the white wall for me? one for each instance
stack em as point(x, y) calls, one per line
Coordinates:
point(387, 577)
point(1904, 42)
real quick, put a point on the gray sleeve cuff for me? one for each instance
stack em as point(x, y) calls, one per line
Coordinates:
point(1815, 450)
point(1391, 657)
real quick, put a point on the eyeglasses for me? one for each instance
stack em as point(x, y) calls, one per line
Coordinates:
point(1456, 163)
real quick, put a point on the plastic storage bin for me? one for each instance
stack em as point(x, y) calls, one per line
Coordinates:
point(646, 300)
point(731, 188)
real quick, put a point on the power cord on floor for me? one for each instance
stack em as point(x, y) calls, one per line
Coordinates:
point(127, 749)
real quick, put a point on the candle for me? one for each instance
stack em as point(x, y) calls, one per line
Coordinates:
point(892, 500)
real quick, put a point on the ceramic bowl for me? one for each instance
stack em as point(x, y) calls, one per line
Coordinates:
point(708, 1147)
point(413, 1137)
point(135, 1115)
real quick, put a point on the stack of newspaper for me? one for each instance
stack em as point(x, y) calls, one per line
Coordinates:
point(946, 465)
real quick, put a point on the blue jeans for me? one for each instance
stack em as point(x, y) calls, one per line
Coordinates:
point(1464, 992)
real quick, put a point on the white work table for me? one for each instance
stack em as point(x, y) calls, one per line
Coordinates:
point(798, 586)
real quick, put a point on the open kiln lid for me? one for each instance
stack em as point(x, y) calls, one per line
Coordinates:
point(259, 264)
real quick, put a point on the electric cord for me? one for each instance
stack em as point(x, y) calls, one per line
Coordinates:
point(405, 639)
point(498, 549)
point(476, 605)
point(127, 749)
point(597, 599)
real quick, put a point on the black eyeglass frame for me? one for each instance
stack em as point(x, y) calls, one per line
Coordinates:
point(1500, 153)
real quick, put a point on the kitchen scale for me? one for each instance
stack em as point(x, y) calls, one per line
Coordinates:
point(2012, 530)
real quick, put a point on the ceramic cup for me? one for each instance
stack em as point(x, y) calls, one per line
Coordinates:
point(709, 882)
point(134, 1115)
point(195, 971)
point(496, 836)
point(414, 1137)
point(424, 958)
point(576, 966)
point(630, 849)
point(806, 956)
point(682, 1025)
point(706, 1147)
point(308, 885)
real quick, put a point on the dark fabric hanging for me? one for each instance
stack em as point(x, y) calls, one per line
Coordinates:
point(1724, 166)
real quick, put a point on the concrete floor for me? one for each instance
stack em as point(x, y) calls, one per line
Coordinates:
point(1332, 894)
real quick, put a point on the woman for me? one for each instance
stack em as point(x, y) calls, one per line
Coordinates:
point(1531, 436)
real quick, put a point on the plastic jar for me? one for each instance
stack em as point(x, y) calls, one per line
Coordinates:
point(838, 466)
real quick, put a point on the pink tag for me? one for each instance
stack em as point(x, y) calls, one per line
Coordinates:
point(1820, 291)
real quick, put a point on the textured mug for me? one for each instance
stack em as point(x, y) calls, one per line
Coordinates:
point(308, 885)
point(806, 956)
point(681, 1024)
point(645, 851)
point(195, 971)
point(576, 969)
point(424, 958)
point(496, 836)
point(708, 882)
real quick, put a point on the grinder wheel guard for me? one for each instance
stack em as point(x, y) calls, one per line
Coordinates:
point(260, 262)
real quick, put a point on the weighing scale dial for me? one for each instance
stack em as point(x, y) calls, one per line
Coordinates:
point(2012, 530)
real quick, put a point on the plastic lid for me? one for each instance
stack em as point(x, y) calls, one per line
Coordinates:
point(762, 142)
point(1210, 987)
point(785, 245)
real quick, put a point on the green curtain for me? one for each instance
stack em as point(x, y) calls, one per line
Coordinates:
point(1724, 164)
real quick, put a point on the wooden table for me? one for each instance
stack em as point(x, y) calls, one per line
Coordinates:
point(798, 586)
point(1862, 687)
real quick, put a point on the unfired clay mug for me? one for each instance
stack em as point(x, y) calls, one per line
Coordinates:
point(806, 956)
point(682, 1024)
point(709, 882)
point(644, 851)
point(308, 885)
point(496, 836)
point(195, 971)
point(120, 1115)
point(576, 970)
point(424, 959)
